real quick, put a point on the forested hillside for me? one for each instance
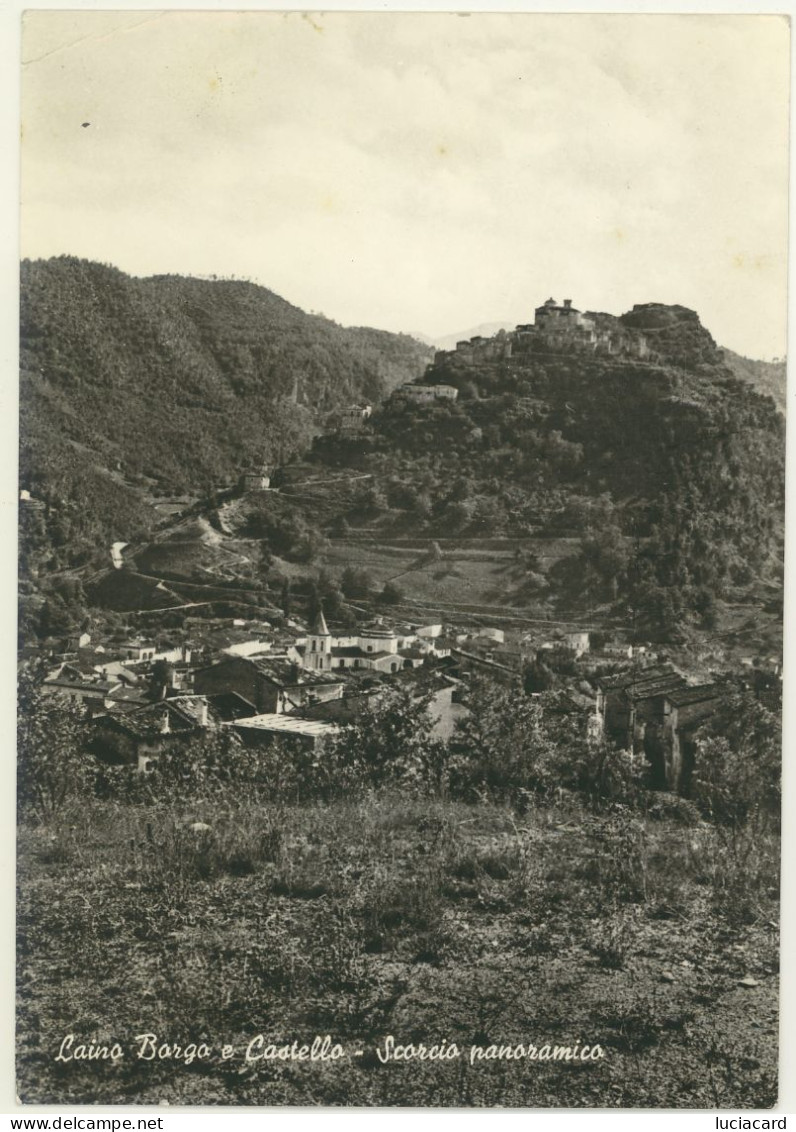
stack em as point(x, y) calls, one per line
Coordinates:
point(768, 377)
point(671, 473)
point(173, 384)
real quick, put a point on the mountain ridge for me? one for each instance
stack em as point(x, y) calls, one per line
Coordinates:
point(171, 384)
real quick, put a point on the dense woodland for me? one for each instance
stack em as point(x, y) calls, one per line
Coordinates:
point(172, 385)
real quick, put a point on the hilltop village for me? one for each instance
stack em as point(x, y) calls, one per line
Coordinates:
point(555, 329)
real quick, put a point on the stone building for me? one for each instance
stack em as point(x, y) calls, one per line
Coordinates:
point(427, 394)
point(653, 710)
point(256, 478)
point(684, 710)
point(270, 686)
point(353, 419)
point(139, 737)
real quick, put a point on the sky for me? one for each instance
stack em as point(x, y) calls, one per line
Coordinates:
point(421, 172)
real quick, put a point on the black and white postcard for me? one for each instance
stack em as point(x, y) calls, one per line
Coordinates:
point(401, 536)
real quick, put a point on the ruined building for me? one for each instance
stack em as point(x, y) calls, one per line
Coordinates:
point(557, 328)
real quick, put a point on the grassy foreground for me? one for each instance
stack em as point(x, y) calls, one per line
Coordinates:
point(652, 937)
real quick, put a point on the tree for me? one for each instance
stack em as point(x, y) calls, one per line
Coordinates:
point(330, 594)
point(511, 745)
point(54, 618)
point(390, 742)
point(210, 766)
point(52, 764)
point(738, 761)
point(160, 679)
point(391, 594)
point(537, 677)
point(459, 513)
point(373, 500)
point(356, 584)
point(314, 604)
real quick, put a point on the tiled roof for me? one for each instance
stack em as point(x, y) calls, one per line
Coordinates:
point(191, 709)
point(98, 687)
point(638, 676)
point(231, 705)
point(129, 695)
point(648, 689)
point(680, 697)
point(184, 712)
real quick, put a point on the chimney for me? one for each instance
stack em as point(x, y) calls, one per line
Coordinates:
point(567, 303)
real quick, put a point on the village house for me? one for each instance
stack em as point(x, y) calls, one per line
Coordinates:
point(254, 646)
point(466, 661)
point(655, 711)
point(76, 641)
point(353, 419)
point(139, 737)
point(27, 501)
point(118, 670)
point(271, 686)
point(127, 698)
point(137, 650)
point(615, 652)
point(173, 654)
point(429, 632)
point(426, 394)
point(578, 642)
point(630, 701)
point(256, 478)
point(493, 636)
point(684, 710)
point(92, 694)
point(444, 706)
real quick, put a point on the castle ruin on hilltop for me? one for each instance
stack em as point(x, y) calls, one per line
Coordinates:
point(555, 329)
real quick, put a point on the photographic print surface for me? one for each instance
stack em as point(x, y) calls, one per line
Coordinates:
point(401, 514)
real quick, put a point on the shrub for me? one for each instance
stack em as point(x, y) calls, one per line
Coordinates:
point(738, 762)
point(52, 766)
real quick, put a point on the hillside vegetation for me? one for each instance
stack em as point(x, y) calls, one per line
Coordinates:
point(134, 386)
point(519, 887)
point(767, 377)
point(670, 473)
point(667, 475)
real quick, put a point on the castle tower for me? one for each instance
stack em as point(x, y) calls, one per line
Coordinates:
point(318, 650)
